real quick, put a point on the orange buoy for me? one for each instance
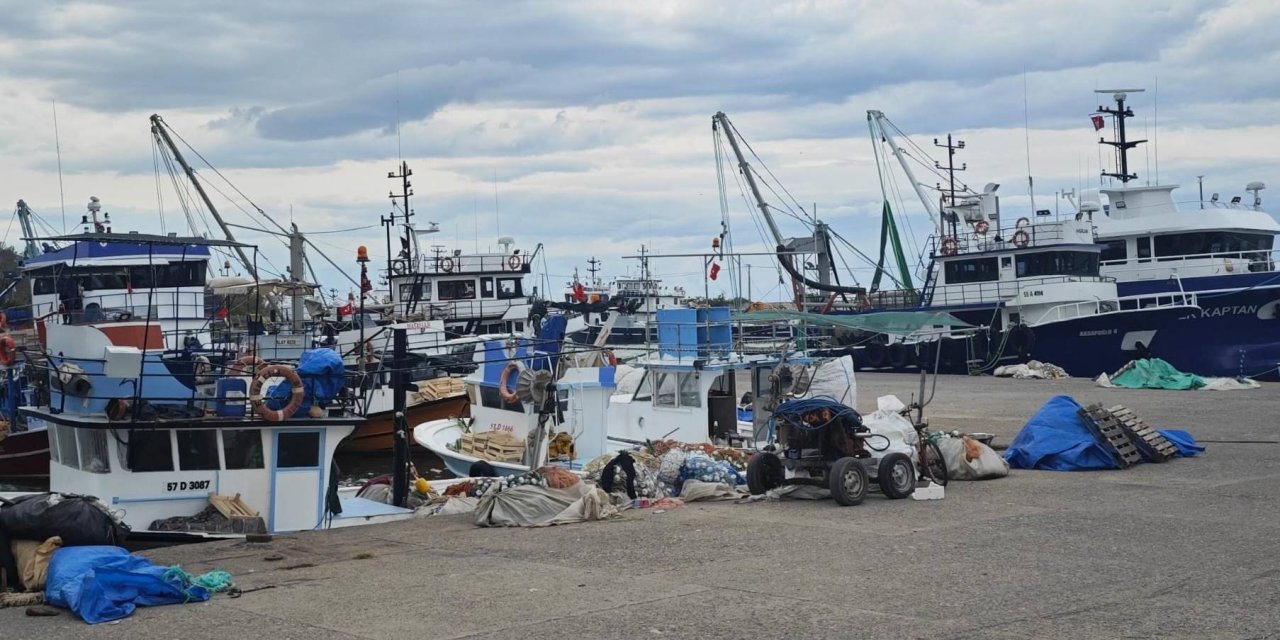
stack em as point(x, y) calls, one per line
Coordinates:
point(295, 398)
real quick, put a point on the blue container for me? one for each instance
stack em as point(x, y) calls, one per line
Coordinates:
point(678, 332)
point(715, 333)
point(233, 393)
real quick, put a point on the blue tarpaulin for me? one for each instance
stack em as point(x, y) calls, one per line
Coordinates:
point(322, 373)
point(101, 583)
point(1055, 438)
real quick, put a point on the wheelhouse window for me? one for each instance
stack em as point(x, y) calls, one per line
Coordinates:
point(644, 391)
point(1057, 263)
point(415, 291)
point(486, 287)
point(242, 448)
point(197, 450)
point(1227, 244)
point(1115, 250)
point(689, 393)
point(149, 450)
point(491, 398)
point(94, 456)
point(509, 288)
point(457, 290)
point(298, 450)
point(665, 384)
point(973, 270)
point(1144, 249)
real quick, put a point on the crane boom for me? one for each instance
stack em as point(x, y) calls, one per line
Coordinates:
point(722, 121)
point(877, 119)
point(158, 128)
point(28, 230)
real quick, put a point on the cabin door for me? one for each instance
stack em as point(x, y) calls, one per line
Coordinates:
point(297, 480)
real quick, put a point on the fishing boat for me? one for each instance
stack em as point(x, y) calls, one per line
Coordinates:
point(635, 300)
point(152, 415)
point(1035, 290)
point(685, 389)
point(1223, 252)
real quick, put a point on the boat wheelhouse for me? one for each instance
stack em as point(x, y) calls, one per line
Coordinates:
point(1221, 251)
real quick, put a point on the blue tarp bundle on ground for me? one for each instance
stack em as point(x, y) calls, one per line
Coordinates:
point(322, 373)
point(101, 583)
point(1055, 438)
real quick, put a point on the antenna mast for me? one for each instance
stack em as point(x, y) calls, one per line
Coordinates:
point(159, 129)
point(594, 266)
point(1122, 144)
point(951, 170)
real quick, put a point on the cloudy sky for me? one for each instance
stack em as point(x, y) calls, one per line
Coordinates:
point(585, 126)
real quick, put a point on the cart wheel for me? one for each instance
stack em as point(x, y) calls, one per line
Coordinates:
point(935, 466)
point(897, 476)
point(764, 472)
point(848, 481)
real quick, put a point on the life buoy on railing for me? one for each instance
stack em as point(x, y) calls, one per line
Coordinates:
point(508, 395)
point(950, 246)
point(297, 391)
point(1022, 223)
point(515, 262)
point(8, 351)
point(1021, 239)
point(445, 264)
point(611, 357)
point(202, 369)
point(980, 227)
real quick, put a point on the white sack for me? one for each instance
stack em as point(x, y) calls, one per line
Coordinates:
point(987, 465)
point(834, 379)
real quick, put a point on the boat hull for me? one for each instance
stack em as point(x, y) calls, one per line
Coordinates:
point(25, 454)
point(377, 433)
point(1236, 331)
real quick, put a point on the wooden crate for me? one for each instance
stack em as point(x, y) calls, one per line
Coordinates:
point(440, 388)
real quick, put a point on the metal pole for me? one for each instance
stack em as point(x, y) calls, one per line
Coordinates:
point(400, 470)
point(158, 127)
point(723, 122)
point(877, 117)
point(297, 267)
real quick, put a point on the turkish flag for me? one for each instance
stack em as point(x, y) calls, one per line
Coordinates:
point(223, 312)
point(715, 270)
point(1098, 123)
point(346, 309)
point(579, 292)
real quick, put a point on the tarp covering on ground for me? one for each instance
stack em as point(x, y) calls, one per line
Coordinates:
point(101, 583)
point(78, 520)
point(1158, 374)
point(1056, 439)
point(1154, 373)
point(535, 506)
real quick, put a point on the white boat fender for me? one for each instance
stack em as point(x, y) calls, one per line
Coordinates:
point(73, 380)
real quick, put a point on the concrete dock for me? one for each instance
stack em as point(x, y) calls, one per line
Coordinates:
point(1190, 548)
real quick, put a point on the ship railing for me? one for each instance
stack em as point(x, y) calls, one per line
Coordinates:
point(200, 371)
point(961, 294)
point(1041, 234)
point(1087, 308)
point(1215, 262)
point(123, 306)
point(449, 264)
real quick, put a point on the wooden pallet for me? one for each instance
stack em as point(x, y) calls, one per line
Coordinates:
point(495, 446)
point(1154, 447)
point(232, 507)
point(1108, 430)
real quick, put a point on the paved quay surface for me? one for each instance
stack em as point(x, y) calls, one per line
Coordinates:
point(1186, 549)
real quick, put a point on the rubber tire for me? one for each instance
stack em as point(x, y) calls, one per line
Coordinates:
point(875, 354)
point(899, 357)
point(935, 471)
point(1022, 340)
point(764, 472)
point(836, 477)
point(885, 476)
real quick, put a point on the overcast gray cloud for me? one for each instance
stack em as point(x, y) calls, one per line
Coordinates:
point(591, 119)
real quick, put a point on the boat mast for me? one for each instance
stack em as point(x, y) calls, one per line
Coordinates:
point(1121, 143)
point(877, 117)
point(28, 230)
point(951, 170)
point(722, 122)
point(158, 128)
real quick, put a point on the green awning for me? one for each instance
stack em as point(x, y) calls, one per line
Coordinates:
point(891, 322)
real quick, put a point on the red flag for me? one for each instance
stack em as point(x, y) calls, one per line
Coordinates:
point(346, 310)
point(1098, 123)
point(579, 292)
point(715, 270)
point(223, 312)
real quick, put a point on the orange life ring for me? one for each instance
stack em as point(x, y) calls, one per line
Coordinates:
point(1021, 239)
point(611, 357)
point(445, 264)
point(8, 350)
point(508, 396)
point(1022, 222)
point(295, 398)
point(515, 262)
point(981, 227)
point(950, 246)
